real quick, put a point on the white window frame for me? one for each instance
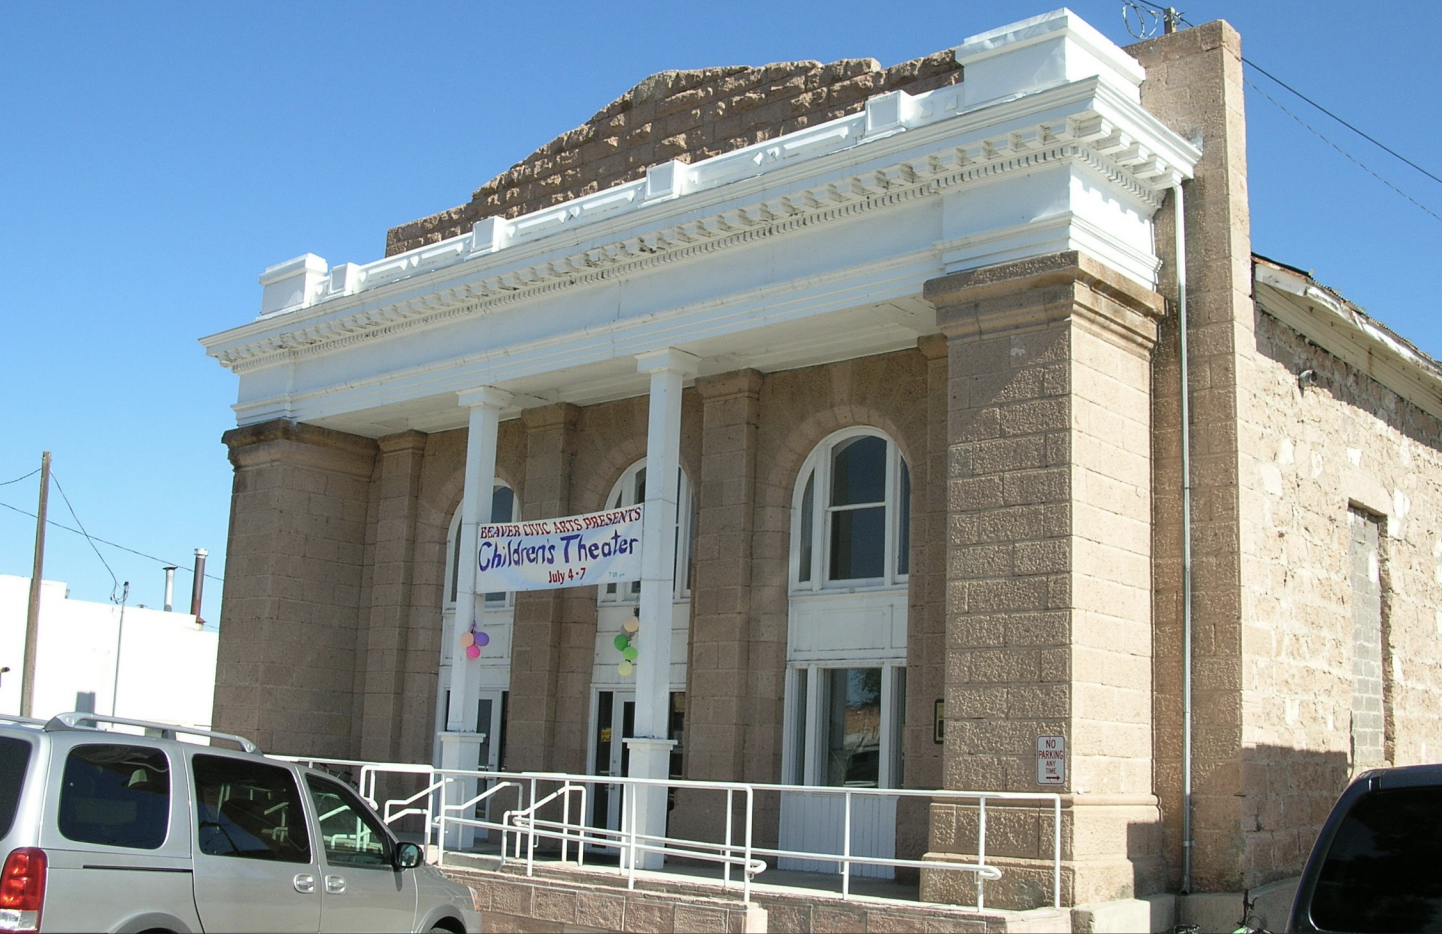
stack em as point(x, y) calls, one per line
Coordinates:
point(818, 465)
point(808, 733)
point(453, 544)
point(623, 494)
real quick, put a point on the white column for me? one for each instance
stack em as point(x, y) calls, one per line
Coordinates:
point(651, 749)
point(461, 744)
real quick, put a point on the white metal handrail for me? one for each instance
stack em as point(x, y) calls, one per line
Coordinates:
point(629, 840)
point(463, 807)
point(528, 815)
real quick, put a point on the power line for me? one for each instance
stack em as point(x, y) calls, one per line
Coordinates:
point(1380, 145)
point(1153, 9)
point(18, 479)
point(1348, 155)
point(114, 583)
point(163, 562)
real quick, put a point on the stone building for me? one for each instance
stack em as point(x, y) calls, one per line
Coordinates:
point(908, 340)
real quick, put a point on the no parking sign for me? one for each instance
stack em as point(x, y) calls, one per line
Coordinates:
point(1051, 760)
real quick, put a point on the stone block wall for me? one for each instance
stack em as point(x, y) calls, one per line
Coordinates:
point(1194, 85)
point(683, 115)
point(1048, 628)
point(1316, 451)
point(295, 587)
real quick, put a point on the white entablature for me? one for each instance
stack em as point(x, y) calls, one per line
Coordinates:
point(1043, 147)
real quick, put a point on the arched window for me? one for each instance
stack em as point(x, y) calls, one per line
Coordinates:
point(630, 490)
point(852, 514)
point(503, 509)
point(493, 616)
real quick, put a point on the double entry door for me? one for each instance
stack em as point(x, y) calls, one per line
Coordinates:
point(615, 723)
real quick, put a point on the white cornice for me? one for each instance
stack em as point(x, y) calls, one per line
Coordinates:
point(1115, 138)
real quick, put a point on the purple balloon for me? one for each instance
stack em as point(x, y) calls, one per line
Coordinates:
point(482, 639)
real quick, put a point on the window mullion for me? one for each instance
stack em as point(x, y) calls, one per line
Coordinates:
point(888, 520)
point(884, 777)
point(814, 713)
point(821, 526)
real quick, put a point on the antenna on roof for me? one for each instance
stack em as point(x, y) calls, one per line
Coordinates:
point(1142, 19)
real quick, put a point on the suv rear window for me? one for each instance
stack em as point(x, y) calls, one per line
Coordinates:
point(14, 758)
point(250, 810)
point(116, 796)
point(1381, 869)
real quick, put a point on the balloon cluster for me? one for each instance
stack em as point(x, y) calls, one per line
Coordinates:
point(473, 640)
point(626, 643)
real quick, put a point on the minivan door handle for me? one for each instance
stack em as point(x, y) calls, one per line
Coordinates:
point(304, 883)
point(334, 885)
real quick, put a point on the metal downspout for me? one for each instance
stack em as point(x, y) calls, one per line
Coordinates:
point(1180, 227)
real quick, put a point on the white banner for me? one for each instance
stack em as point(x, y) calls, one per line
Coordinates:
point(600, 548)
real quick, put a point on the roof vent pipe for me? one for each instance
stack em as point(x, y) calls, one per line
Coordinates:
point(197, 587)
point(169, 588)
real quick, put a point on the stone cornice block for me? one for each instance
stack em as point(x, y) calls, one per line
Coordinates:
point(1042, 290)
point(546, 417)
point(283, 442)
point(404, 442)
point(746, 382)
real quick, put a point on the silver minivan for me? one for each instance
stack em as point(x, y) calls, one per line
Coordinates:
point(105, 830)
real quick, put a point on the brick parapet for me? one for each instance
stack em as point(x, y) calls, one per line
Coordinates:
point(683, 115)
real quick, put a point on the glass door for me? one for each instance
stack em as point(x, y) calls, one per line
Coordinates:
point(615, 723)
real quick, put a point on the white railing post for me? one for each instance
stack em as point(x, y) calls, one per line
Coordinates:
point(441, 825)
point(726, 878)
point(581, 827)
point(1056, 852)
point(628, 791)
point(430, 806)
point(565, 820)
point(746, 870)
point(531, 838)
point(846, 850)
point(981, 852)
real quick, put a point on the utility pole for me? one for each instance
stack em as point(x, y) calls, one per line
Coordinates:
point(119, 639)
point(32, 615)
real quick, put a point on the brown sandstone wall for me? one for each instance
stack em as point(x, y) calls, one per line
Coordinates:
point(683, 115)
point(1308, 455)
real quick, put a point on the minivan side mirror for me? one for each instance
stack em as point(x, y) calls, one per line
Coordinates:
point(408, 856)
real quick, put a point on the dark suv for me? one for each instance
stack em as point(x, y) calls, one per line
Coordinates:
point(1377, 864)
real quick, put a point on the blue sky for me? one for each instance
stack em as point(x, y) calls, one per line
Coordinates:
point(154, 158)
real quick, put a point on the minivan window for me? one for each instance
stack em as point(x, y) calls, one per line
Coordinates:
point(249, 810)
point(349, 833)
point(116, 795)
point(14, 758)
point(1381, 869)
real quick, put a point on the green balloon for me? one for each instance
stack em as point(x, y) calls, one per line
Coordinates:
point(622, 641)
point(630, 653)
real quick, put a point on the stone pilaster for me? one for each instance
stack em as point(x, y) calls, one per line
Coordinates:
point(381, 670)
point(1048, 607)
point(550, 658)
point(926, 627)
point(294, 578)
point(717, 671)
point(1195, 86)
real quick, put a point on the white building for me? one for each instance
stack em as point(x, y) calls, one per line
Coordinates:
point(167, 661)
